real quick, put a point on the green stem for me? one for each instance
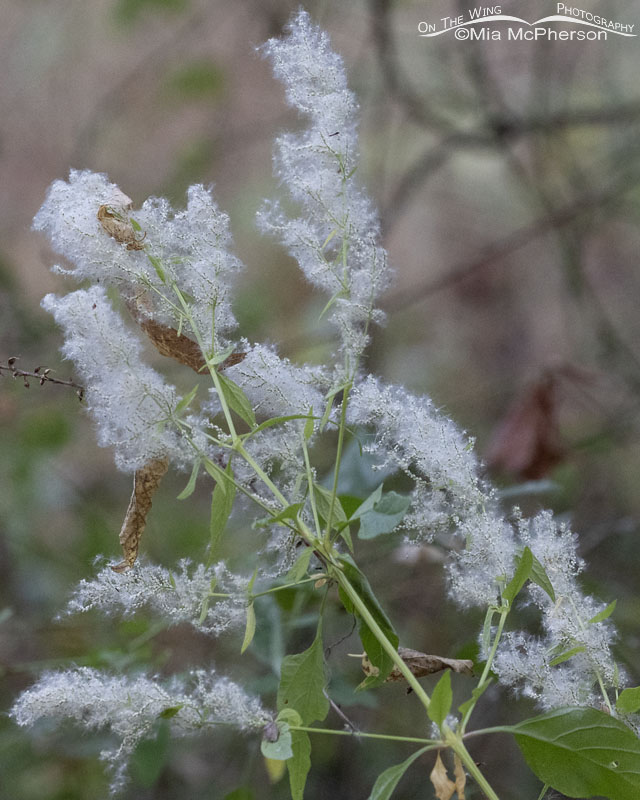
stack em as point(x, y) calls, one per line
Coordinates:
point(312, 494)
point(543, 791)
point(451, 740)
point(463, 754)
point(487, 667)
point(336, 472)
point(357, 734)
point(212, 370)
point(380, 635)
point(315, 578)
point(262, 475)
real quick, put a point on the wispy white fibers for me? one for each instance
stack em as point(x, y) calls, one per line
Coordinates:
point(129, 401)
point(191, 248)
point(526, 663)
point(336, 237)
point(181, 595)
point(130, 707)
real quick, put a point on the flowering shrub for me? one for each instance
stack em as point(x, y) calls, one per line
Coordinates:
point(254, 431)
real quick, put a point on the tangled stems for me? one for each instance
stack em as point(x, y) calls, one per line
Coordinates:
point(450, 739)
point(325, 550)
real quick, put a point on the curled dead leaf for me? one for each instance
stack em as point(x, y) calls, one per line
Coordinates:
point(145, 483)
point(444, 788)
point(459, 775)
point(420, 664)
point(116, 223)
point(168, 342)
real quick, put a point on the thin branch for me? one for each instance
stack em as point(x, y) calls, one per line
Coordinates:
point(41, 374)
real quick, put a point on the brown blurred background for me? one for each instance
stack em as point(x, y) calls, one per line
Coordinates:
point(507, 175)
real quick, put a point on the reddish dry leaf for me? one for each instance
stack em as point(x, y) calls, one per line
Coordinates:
point(527, 442)
point(444, 788)
point(145, 483)
point(168, 342)
point(420, 664)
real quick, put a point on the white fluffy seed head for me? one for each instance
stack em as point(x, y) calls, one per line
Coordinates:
point(336, 238)
point(130, 402)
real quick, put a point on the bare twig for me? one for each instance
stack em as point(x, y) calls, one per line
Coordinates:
point(41, 374)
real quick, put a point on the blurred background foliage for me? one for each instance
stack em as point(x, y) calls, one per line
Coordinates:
point(508, 180)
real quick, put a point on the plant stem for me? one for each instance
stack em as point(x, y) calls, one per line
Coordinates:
point(487, 667)
point(463, 754)
point(380, 635)
point(452, 740)
point(358, 734)
point(336, 472)
point(212, 370)
point(312, 494)
point(313, 579)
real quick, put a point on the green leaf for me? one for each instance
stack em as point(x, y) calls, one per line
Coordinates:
point(339, 521)
point(218, 474)
point(269, 423)
point(151, 755)
point(323, 503)
point(604, 614)
point(378, 657)
point(186, 401)
point(170, 712)
point(191, 484)
point(300, 763)
point(582, 753)
point(628, 701)
point(567, 655)
point(309, 425)
point(237, 400)
point(157, 265)
point(328, 408)
point(300, 566)
point(241, 793)
point(250, 628)
point(386, 514)
point(521, 576)
point(539, 576)
point(441, 700)
point(486, 629)
point(388, 780)
point(368, 504)
point(222, 497)
point(302, 681)
point(223, 355)
point(280, 750)
point(345, 533)
point(476, 694)
point(290, 512)
point(337, 296)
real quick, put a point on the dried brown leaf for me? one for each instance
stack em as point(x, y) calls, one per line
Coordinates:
point(444, 788)
point(421, 664)
point(145, 483)
point(116, 223)
point(168, 342)
point(459, 775)
point(527, 442)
